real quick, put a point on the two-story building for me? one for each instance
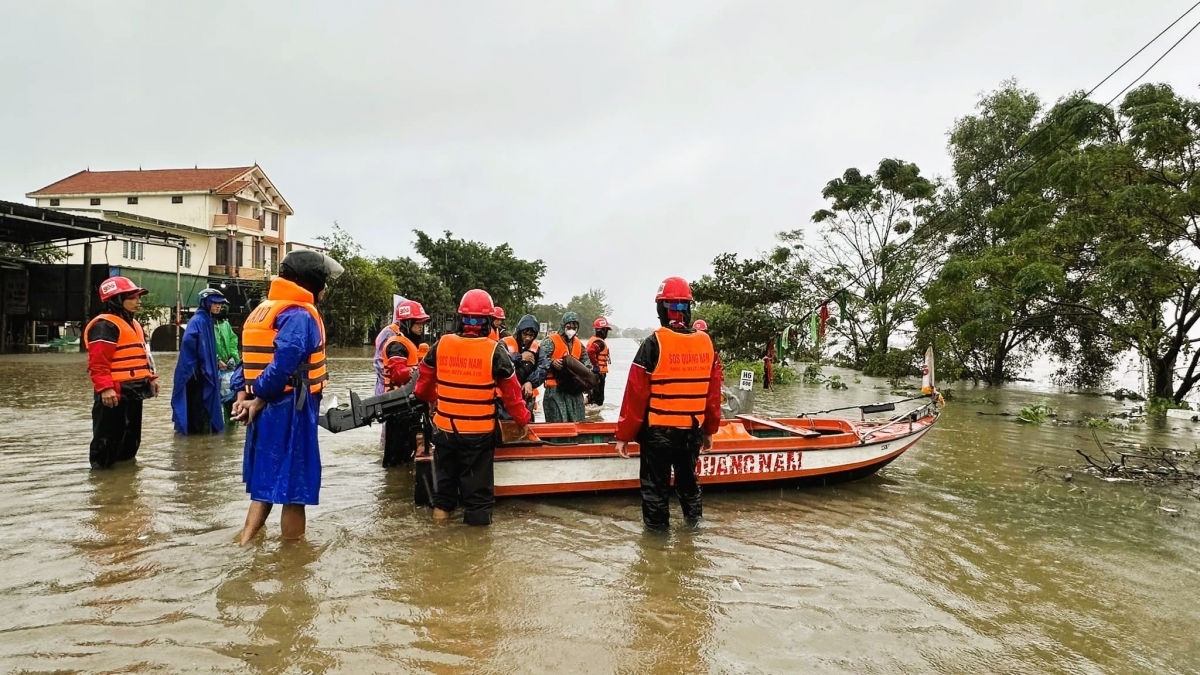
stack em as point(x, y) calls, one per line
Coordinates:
point(234, 220)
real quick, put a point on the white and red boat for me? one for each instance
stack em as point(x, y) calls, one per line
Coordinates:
point(572, 458)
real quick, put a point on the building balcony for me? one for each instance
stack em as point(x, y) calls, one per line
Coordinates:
point(221, 222)
point(238, 272)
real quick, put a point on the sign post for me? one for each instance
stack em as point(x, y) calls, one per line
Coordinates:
point(747, 382)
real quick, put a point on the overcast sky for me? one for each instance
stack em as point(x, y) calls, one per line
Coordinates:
point(619, 142)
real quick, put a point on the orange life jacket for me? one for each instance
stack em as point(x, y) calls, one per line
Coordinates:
point(679, 383)
point(130, 360)
point(466, 389)
point(259, 331)
point(560, 350)
point(514, 348)
point(411, 361)
point(602, 357)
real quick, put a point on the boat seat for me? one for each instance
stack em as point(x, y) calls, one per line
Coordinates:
point(779, 426)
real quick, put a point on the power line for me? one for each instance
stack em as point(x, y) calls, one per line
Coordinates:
point(1036, 134)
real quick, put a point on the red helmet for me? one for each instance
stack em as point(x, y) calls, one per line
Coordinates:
point(498, 312)
point(700, 325)
point(475, 302)
point(600, 323)
point(674, 288)
point(118, 285)
point(411, 310)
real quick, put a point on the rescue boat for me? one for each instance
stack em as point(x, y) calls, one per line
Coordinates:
point(747, 451)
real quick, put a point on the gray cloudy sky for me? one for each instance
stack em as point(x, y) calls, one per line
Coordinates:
point(619, 142)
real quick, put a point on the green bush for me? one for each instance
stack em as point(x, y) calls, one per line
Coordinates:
point(1036, 414)
point(783, 374)
point(812, 374)
point(895, 364)
point(835, 382)
point(1160, 406)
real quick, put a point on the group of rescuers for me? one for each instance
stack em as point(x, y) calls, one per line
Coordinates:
point(471, 378)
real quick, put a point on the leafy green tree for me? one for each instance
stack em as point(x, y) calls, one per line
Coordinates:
point(749, 301)
point(982, 310)
point(415, 282)
point(42, 254)
point(869, 250)
point(1123, 185)
point(461, 265)
point(357, 300)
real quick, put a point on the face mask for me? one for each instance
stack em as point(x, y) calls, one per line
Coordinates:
point(570, 332)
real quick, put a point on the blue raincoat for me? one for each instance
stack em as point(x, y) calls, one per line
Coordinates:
point(281, 463)
point(198, 355)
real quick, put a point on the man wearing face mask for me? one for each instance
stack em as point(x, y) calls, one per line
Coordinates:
point(279, 388)
point(400, 359)
point(531, 367)
point(122, 373)
point(563, 401)
point(672, 407)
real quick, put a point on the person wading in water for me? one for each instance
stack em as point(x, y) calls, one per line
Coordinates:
point(196, 397)
point(122, 373)
point(400, 358)
point(672, 407)
point(597, 349)
point(279, 393)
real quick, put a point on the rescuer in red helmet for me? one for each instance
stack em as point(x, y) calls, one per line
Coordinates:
point(597, 349)
point(463, 373)
point(122, 373)
point(497, 327)
point(700, 326)
point(400, 355)
point(672, 407)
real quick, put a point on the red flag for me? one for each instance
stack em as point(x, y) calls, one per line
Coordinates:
point(824, 318)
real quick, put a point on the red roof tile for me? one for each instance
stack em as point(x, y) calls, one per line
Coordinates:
point(232, 188)
point(131, 182)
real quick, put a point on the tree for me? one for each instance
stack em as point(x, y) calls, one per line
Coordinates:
point(356, 301)
point(42, 254)
point(869, 250)
point(415, 282)
point(1126, 273)
point(461, 265)
point(747, 302)
point(589, 307)
point(977, 310)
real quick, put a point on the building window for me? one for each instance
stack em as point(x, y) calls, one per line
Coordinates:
point(177, 199)
point(131, 200)
point(54, 202)
point(240, 257)
point(222, 252)
point(133, 250)
point(273, 252)
point(185, 257)
point(274, 221)
point(224, 207)
point(95, 201)
point(259, 253)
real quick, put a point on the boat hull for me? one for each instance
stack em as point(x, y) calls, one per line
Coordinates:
point(550, 461)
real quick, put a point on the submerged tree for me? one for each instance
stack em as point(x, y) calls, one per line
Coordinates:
point(354, 303)
point(869, 250)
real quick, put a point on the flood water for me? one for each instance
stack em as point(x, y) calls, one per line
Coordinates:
point(958, 557)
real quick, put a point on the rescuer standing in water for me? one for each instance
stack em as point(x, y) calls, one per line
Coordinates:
point(672, 407)
point(122, 373)
point(279, 393)
point(400, 359)
point(463, 373)
point(563, 401)
point(597, 349)
point(196, 397)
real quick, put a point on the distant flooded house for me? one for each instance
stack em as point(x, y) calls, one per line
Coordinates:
point(233, 219)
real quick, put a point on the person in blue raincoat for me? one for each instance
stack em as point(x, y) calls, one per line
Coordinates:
point(279, 387)
point(196, 397)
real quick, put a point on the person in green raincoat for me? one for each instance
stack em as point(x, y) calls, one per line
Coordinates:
point(228, 358)
point(563, 401)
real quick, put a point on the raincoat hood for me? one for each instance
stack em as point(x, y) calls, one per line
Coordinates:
point(529, 321)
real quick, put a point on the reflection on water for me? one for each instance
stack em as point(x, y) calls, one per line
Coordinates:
point(961, 556)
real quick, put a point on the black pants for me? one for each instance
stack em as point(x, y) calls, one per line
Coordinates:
point(399, 443)
point(463, 471)
point(662, 450)
point(199, 421)
point(596, 396)
point(116, 431)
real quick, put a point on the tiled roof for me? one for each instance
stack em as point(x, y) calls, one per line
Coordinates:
point(232, 188)
point(133, 182)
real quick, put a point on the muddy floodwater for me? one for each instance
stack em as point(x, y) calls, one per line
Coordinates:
point(959, 557)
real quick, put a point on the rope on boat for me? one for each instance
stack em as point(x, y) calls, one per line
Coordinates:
point(868, 407)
